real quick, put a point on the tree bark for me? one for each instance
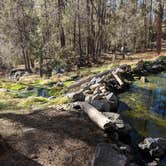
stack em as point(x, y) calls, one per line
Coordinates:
point(159, 24)
point(97, 117)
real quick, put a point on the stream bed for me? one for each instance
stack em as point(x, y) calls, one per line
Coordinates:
point(144, 106)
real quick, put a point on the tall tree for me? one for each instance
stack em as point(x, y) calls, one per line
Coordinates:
point(159, 24)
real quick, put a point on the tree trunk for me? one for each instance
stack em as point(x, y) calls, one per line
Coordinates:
point(61, 29)
point(97, 117)
point(159, 24)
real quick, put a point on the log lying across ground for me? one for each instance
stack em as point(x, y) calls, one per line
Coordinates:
point(97, 117)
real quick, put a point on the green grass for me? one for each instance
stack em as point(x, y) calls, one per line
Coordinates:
point(32, 101)
point(59, 100)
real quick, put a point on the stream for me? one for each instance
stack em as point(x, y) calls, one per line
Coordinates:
point(144, 106)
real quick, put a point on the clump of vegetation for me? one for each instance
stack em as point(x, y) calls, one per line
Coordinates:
point(32, 101)
point(13, 86)
point(59, 100)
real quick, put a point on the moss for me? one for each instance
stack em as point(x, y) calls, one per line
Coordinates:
point(59, 100)
point(69, 83)
point(13, 86)
point(31, 101)
point(57, 91)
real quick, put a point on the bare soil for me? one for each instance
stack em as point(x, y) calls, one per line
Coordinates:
point(48, 138)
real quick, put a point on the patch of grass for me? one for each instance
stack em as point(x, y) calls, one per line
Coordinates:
point(9, 104)
point(69, 83)
point(32, 101)
point(13, 86)
point(57, 91)
point(5, 95)
point(3, 105)
point(59, 100)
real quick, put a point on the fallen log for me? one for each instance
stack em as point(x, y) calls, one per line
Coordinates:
point(97, 117)
point(115, 74)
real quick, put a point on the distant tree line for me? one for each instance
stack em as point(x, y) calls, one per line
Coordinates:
point(67, 32)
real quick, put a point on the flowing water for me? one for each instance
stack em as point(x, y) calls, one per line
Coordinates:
point(144, 105)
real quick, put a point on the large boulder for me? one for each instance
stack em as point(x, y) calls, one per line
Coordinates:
point(113, 101)
point(101, 104)
point(108, 155)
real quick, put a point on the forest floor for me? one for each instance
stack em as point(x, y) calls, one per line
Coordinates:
point(41, 136)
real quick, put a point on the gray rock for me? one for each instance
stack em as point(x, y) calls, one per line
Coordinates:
point(76, 96)
point(113, 100)
point(152, 146)
point(75, 77)
point(94, 86)
point(153, 163)
point(161, 142)
point(115, 118)
point(87, 92)
point(60, 84)
point(97, 97)
point(98, 80)
point(93, 80)
point(88, 98)
point(108, 155)
point(102, 105)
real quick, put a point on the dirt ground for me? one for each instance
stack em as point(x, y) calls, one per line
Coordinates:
point(49, 138)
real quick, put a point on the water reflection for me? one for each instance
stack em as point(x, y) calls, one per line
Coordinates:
point(147, 103)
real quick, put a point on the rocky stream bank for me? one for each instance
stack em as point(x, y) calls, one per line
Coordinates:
point(101, 92)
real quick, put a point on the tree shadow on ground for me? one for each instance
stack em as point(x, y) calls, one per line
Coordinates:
point(11, 157)
point(56, 132)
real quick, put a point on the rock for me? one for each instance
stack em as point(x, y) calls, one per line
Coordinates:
point(115, 118)
point(113, 100)
point(102, 105)
point(93, 80)
point(87, 92)
point(76, 96)
point(85, 86)
point(88, 98)
point(94, 86)
point(140, 64)
point(108, 155)
point(60, 84)
point(153, 163)
point(161, 142)
point(126, 68)
point(75, 77)
point(30, 88)
point(97, 97)
point(152, 146)
point(144, 80)
point(51, 97)
point(98, 80)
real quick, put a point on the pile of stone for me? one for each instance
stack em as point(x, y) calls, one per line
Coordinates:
point(153, 67)
point(16, 74)
point(101, 91)
point(155, 147)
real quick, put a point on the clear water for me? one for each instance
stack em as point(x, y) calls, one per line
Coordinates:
point(144, 105)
